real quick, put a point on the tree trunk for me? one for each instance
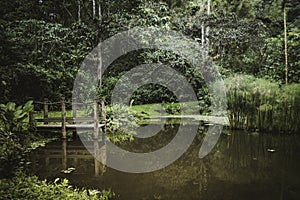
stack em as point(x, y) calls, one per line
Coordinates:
point(285, 45)
point(202, 26)
point(99, 65)
point(207, 28)
point(99, 10)
point(94, 8)
point(79, 11)
point(99, 47)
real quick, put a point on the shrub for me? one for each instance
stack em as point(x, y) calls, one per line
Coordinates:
point(14, 136)
point(22, 187)
point(120, 123)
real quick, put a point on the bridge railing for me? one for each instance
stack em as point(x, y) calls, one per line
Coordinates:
point(64, 120)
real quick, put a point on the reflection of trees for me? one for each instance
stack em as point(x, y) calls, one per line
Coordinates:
point(239, 161)
point(50, 161)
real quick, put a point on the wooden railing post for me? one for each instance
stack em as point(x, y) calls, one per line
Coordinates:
point(63, 115)
point(74, 114)
point(103, 118)
point(96, 119)
point(74, 108)
point(31, 118)
point(46, 110)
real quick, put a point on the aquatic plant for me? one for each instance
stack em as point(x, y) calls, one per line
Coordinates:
point(259, 104)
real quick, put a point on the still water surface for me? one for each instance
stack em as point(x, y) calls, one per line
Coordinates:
point(242, 166)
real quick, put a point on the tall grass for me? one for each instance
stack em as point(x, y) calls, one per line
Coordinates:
point(260, 104)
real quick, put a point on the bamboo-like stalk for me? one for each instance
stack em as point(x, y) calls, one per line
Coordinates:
point(259, 104)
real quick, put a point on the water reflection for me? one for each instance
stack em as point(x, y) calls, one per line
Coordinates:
point(99, 157)
point(241, 166)
point(58, 157)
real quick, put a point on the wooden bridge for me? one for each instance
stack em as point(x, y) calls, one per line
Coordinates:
point(73, 123)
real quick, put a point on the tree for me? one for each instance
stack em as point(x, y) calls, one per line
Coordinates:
point(79, 11)
point(99, 48)
point(46, 58)
point(285, 44)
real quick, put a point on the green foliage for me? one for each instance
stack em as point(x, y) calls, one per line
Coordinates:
point(14, 136)
point(24, 187)
point(43, 49)
point(247, 37)
point(274, 64)
point(120, 123)
point(43, 44)
point(45, 58)
point(172, 108)
point(13, 118)
point(260, 104)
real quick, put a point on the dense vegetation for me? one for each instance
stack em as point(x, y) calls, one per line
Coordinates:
point(44, 42)
point(258, 104)
point(22, 187)
point(255, 45)
point(17, 139)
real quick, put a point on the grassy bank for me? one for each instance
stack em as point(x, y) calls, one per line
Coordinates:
point(253, 104)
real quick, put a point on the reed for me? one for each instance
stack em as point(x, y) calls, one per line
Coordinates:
point(259, 104)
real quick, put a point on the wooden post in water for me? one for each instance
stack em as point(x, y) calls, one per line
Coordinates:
point(96, 157)
point(64, 156)
point(46, 110)
point(102, 152)
point(63, 116)
point(96, 119)
point(97, 151)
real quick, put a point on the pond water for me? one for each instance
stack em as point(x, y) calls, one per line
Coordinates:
point(242, 165)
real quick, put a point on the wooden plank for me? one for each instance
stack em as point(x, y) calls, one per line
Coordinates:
point(68, 119)
point(68, 126)
point(75, 144)
point(87, 156)
point(69, 151)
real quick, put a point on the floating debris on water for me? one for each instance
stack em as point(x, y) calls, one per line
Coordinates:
point(271, 150)
point(68, 171)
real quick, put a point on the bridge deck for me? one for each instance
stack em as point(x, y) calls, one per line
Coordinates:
point(68, 126)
